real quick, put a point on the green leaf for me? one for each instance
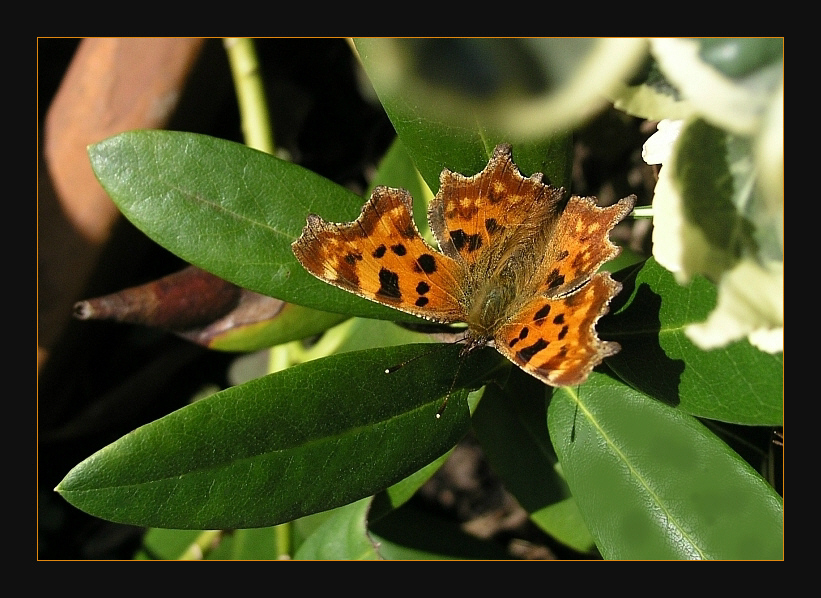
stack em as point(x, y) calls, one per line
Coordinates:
point(737, 383)
point(306, 439)
point(521, 89)
point(738, 57)
point(293, 322)
point(435, 144)
point(343, 535)
point(511, 426)
point(401, 492)
point(256, 544)
point(230, 210)
point(412, 533)
point(653, 483)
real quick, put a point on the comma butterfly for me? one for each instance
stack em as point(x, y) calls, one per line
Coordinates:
point(516, 268)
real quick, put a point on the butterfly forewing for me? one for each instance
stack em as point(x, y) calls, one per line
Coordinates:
point(479, 217)
point(382, 256)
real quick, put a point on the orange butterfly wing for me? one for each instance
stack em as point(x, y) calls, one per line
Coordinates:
point(381, 256)
point(479, 219)
point(515, 267)
point(554, 339)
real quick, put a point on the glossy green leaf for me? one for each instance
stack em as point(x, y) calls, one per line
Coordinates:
point(511, 426)
point(401, 492)
point(738, 383)
point(230, 210)
point(653, 483)
point(306, 439)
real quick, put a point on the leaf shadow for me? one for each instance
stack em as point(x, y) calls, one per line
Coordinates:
point(635, 323)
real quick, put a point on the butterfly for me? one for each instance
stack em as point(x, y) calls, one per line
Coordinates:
point(519, 270)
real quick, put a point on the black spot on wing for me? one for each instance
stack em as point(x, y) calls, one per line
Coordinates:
point(542, 313)
point(427, 263)
point(463, 240)
point(522, 335)
point(527, 353)
point(389, 284)
point(554, 279)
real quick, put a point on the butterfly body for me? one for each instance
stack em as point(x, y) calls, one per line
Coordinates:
point(514, 266)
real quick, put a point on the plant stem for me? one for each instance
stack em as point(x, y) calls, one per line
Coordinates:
point(283, 540)
point(643, 212)
point(200, 547)
point(253, 108)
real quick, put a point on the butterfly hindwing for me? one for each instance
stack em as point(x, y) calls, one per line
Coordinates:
point(555, 339)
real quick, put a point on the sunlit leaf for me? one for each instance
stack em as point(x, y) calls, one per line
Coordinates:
point(738, 383)
point(673, 490)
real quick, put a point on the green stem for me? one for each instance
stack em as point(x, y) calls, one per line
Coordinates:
point(201, 546)
point(283, 540)
point(643, 212)
point(253, 108)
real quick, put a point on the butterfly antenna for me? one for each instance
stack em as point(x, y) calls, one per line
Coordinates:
point(444, 404)
point(398, 366)
point(438, 347)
